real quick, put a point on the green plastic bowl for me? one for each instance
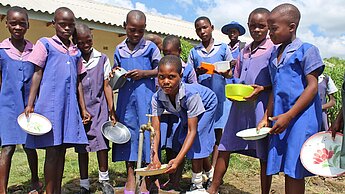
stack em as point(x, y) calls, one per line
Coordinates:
point(237, 92)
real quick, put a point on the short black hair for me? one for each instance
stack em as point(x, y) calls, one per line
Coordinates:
point(135, 14)
point(259, 10)
point(202, 18)
point(288, 12)
point(82, 28)
point(172, 39)
point(171, 60)
point(17, 9)
point(154, 38)
point(61, 9)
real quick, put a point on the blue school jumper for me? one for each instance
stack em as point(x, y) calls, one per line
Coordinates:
point(14, 94)
point(219, 52)
point(57, 99)
point(289, 81)
point(134, 98)
point(193, 100)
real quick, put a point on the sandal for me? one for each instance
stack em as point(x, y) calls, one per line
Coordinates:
point(125, 191)
point(38, 189)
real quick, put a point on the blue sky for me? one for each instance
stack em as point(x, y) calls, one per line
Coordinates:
point(322, 22)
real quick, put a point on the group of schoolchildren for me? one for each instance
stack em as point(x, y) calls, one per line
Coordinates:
point(67, 80)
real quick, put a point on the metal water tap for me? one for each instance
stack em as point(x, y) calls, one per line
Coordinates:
point(143, 128)
point(148, 126)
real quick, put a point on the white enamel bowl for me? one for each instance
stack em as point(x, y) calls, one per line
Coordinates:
point(35, 124)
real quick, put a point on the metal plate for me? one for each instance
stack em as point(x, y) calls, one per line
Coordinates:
point(118, 133)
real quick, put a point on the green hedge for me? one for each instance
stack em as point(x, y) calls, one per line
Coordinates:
point(335, 68)
point(185, 47)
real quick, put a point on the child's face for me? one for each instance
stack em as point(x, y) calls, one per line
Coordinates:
point(84, 42)
point(169, 79)
point(233, 34)
point(135, 30)
point(17, 24)
point(204, 30)
point(258, 26)
point(280, 30)
point(64, 24)
point(170, 49)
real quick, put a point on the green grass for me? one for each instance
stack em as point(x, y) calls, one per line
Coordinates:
point(20, 174)
point(243, 171)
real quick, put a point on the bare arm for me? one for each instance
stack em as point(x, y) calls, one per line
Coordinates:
point(330, 103)
point(108, 92)
point(338, 123)
point(156, 121)
point(35, 83)
point(187, 144)
point(84, 113)
point(283, 120)
point(137, 74)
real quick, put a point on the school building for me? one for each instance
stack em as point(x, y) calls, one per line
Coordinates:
point(105, 20)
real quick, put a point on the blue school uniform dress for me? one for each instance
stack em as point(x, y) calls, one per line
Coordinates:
point(57, 96)
point(218, 52)
point(16, 74)
point(134, 98)
point(170, 122)
point(192, 100)
point(288, 78)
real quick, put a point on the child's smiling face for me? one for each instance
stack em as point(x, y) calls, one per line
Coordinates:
point(17, 24)
point(169, 79)
point(258, 26)
point(135, 29)
point(204, 30)
point(84, 42)
point(64, 23)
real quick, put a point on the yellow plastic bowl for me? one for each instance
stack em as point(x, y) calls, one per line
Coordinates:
point(238, 91)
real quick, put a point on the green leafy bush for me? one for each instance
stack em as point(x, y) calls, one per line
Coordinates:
point(335, 68)
point(185, 47)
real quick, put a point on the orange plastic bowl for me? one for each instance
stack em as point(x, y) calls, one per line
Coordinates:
point(208, 66)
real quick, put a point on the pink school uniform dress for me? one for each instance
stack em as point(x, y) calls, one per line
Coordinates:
point(57, 96)
point(16, 74)
point(252, 68)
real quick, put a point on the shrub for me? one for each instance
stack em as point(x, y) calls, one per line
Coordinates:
point(185, 47)
point(335, 68)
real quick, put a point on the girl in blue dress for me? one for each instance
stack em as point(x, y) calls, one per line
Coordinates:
point(195, 105)
point(294, 68)
point(56, 83)
point(15, 80)
point(170, 122)
point(211, 51)
point(140, 58)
